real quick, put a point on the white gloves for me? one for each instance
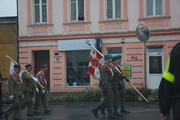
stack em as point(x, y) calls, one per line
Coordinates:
point(37, 90)
point(43, 92)
point(11, 97)
point(35, 79)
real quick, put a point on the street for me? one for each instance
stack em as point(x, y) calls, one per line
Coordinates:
point(82, 111)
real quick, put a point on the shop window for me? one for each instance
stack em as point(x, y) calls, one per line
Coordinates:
point(154, 7)
point(113, 9)
point(77, 63)
point(40, 11)
point(77, 10)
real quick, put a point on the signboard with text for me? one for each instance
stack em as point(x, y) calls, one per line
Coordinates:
point(127, 69)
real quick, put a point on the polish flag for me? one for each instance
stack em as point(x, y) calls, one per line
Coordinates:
point(96, 60)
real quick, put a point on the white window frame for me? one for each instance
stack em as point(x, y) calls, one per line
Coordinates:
point(114, 9)
point(154, 9)
point(77, 12)
point(40, 11)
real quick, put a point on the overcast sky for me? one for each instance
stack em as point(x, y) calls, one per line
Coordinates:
point(8, 8)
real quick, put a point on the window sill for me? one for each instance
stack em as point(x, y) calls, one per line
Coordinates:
point(113, 21)
point(154, 18)
point(39, 25)
point(77, 23)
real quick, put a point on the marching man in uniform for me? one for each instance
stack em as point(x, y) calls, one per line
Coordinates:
point(28, 87)
point(121, 82)
point(106, 78)
point(15, 92)
point(43, 93)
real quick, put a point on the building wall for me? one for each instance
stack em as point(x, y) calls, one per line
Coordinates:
point(164, 32)
point(8, 45)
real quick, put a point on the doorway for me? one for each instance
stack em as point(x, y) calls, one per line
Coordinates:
point(155, 66)
point(42, 58)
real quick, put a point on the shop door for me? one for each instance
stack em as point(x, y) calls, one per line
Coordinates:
point(42, 58)
point(155, 67)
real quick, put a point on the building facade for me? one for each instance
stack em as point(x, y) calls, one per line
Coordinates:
point(54, 32)
point(8, 43)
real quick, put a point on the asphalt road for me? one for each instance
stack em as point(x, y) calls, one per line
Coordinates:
point(82, 111)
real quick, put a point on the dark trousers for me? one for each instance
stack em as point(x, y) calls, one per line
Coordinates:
point(176, 109)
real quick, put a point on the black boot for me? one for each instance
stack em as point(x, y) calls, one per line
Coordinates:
point(102, 110)
point(95, 111)
point(116, 112)
point(111, 115)
point(123, 110)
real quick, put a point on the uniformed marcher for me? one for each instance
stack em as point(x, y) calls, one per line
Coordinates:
point(15, 93)
point(106, 78)
point(116, 85)
point(122, 91)
point(169, 88)
point(43, 93)
point(28, 88)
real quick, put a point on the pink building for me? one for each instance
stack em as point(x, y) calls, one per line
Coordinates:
point(51, 32)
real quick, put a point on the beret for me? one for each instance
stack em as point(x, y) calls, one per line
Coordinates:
point(118, 56)
point(114, 58)
point(107, 56)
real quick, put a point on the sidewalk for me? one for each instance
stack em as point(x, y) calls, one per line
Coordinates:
point(82, 111)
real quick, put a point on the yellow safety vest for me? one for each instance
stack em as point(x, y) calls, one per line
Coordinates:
point(167, 75)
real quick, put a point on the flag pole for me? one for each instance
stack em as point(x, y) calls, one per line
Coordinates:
point(87, 41)
point(23, 69)
point(118, 71)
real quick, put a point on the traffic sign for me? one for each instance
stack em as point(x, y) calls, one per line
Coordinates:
point(127, 69)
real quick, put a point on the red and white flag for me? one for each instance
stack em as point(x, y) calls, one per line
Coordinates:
point(96, 60)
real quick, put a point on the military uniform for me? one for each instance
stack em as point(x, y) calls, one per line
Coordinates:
point(15, 92)
point(122, 92)
point(43, 93)
point(28, 88)
point(106, 79)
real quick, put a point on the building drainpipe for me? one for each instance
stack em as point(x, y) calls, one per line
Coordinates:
point(17, 35)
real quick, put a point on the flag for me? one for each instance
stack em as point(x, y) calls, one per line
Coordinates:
point(96, 60)
point(12, 68)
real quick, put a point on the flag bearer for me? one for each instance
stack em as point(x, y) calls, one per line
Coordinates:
point(15, 92)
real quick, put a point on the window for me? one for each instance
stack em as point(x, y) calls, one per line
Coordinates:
point(40, 11)
point(154, 7)
point(114, 50)
point(113, 9)
point(155, 64)
point(77, 10)
point(77, 63)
